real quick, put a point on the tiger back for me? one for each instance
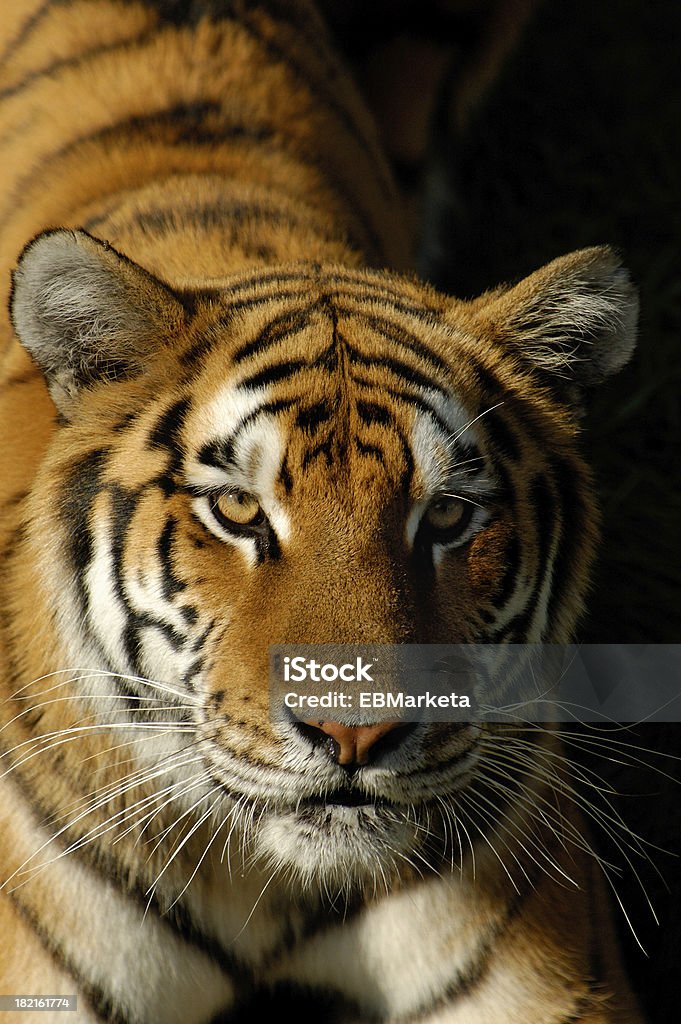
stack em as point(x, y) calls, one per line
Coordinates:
point(233, 418)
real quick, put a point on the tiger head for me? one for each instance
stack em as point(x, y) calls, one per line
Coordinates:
point(304, 454)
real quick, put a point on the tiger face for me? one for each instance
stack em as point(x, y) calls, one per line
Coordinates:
point(306, 455)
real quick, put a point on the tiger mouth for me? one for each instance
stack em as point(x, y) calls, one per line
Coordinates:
point(347, 797)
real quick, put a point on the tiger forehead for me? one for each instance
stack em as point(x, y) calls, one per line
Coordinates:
point(345, 382)
point(309, 323)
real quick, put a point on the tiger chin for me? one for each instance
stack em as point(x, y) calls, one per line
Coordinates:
point(233, 418)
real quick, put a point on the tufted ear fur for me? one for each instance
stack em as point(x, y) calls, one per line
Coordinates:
point(86, 313)
point(575, 319)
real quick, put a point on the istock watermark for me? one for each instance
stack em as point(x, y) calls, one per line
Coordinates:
point(299, 670)
point(366, 683)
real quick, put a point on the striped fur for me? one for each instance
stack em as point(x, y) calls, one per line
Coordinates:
point(199, 218)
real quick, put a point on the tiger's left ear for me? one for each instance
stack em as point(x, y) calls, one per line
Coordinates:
point(86, 313)
point(575, 319)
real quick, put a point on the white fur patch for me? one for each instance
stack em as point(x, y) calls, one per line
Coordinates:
point(107, 615)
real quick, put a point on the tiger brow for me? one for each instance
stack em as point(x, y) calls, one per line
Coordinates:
point(221, 452)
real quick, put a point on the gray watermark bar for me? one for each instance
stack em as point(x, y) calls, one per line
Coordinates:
point(33, 1003)
point(365, 683)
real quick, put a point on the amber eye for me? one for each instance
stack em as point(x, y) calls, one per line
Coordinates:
point(447, 517)
point(236, 508)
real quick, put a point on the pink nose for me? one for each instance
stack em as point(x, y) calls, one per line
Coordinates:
point(353, 743)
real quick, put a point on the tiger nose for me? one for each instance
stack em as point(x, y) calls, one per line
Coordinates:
point(352, 745)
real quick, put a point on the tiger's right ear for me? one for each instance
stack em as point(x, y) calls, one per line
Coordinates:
point(574, 320)
point(86, 313)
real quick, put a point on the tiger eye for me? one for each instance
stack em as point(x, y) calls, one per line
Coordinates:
point(446, 513)
point(238, 507)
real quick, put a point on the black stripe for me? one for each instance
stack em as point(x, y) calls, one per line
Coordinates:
point(28, 26)
point(77, 60)
point(82, 485)
point(310, 418)
point(123, 507)
point(425, 407)
point(190, 12)
point(186, 122)
point(504, 440)
point(376, 285)
point(272, 374)
point(218, 453)
point(382, 294)
point(205, 344)
point(371, 413)
point(233, 298)
point(139, 621)
point(485, 379)
point(414, 400)
point(166, 433)
point(330, 358)
point(190, 674)
point(12, 502)
point(324, 448)
point(281, 327)
point(544, 507)
point(172, 584)
point(166, 484)
point(181, 123)
point(403, 370)
point(523, 415)
point(397, 334)
point(124, 504)
point(285, 475)
point(569, 487)
point(345, 281)
point(221, 212)
point(189, 614)
point(196, 217)
point(125, 421)
point(369, 450)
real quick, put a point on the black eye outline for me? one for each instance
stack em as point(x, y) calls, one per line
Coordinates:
point(428, 534)
point(255, 525)
point(259, 530)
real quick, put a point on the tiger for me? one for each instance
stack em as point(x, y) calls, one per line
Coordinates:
point(233, 417)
